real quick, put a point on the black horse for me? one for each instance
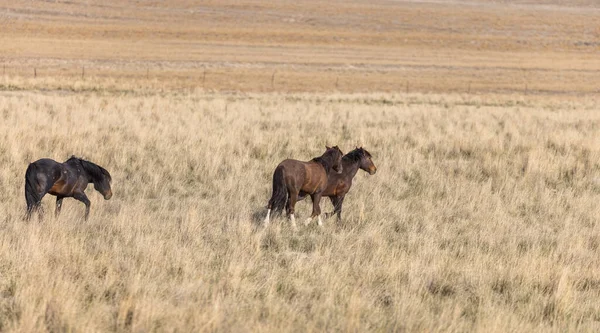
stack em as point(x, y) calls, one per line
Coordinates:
point(68, 179)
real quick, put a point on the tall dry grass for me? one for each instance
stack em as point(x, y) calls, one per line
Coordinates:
point(483, 215)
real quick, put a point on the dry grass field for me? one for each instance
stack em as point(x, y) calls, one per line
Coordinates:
point(483, 215)
point(482, 117)
point(535, 47)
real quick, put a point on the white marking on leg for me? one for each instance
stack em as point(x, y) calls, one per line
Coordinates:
point(320, 222)
point(267, 218)
point(293, 221)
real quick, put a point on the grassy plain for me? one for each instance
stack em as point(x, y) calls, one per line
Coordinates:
point(483, 215)
point(542, 46)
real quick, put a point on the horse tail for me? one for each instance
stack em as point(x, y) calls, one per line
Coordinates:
point(279, 196)
point(32, 196)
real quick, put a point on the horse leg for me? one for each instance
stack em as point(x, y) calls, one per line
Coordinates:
point(37, 206)
point(309, 219)
point(268, 217)
point(266, 221)
point(333, 203)
point(34, 201)
point(59, 200)
point(293, 198)
point(316, 201)
point(83, 198)
point(337, 208)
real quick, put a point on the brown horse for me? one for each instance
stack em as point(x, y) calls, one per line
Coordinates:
point(338, 185)
point(292, 177)
point(68, 179)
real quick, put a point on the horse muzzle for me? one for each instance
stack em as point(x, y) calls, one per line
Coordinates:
point(372, 171)
point(108, 195)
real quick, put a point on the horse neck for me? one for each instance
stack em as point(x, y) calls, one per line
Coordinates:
point(90, 177)
point(350, 167)
point(325, 161)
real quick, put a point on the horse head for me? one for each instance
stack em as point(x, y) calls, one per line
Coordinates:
point(103, 186)
point(366, 161)
point(100, 177)
point(336, 155)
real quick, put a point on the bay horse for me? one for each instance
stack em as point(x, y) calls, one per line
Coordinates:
point(68, 179)
point(338, 184)
point(292, 177)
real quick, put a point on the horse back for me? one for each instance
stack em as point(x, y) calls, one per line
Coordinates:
point(47, 163)
point(292, 166)
point(308, 177)
point(48, 168)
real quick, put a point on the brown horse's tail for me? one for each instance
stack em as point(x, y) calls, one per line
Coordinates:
point(279, 196)
point(32, 196)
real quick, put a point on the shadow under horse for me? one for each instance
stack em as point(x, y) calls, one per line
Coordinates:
point(291, 177)
point(68, 179)
point(338, 184)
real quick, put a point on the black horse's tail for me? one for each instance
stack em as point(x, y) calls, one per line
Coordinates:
point(32, 196)
point(279, 196)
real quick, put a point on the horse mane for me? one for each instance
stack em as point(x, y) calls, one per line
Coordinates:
point(357, 154)
point(97, 172)
point(326, 159)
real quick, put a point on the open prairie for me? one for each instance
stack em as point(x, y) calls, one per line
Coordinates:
point(483, 215)
point(539, 46)
point(482, 118)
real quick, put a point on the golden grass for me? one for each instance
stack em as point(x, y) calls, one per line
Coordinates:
point(483, 215)
point(535, 47)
